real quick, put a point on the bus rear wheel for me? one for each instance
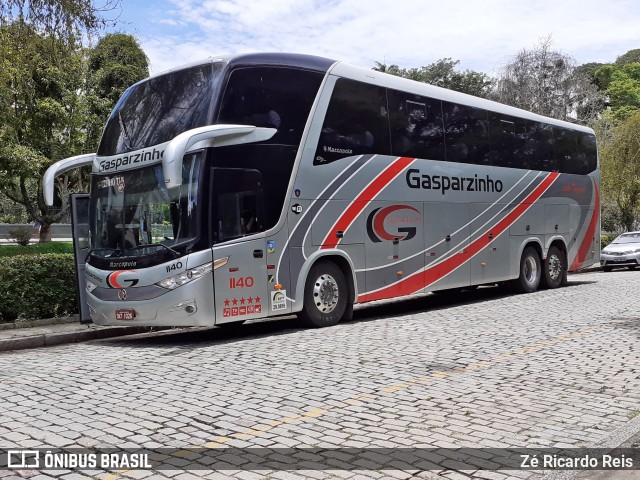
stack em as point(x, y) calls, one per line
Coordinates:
point(325, 296)
point(554, 270)
point(530, 272)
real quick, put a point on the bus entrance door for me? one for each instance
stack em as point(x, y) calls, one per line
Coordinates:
point(241, 282)
point(241, 273)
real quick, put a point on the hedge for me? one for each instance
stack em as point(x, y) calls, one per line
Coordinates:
point(37, 286)
point(35, 248)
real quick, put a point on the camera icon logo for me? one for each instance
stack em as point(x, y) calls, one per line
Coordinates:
point(23, 459)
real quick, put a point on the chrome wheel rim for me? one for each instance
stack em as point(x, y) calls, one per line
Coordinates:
point(555, 267)
point(325, 293)
point(530, 270)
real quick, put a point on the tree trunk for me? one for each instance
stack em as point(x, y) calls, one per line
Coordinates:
point(45, 233)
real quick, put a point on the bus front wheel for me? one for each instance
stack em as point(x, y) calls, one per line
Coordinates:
point(325, 295)
point(530, 272)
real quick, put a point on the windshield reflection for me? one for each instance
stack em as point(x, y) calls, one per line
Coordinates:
point(134, 214)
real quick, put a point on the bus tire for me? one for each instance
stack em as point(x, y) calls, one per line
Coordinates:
point(325, 296)
point(530, 272)
point(554, 269)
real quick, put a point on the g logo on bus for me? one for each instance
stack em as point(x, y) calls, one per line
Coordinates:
point(113, 279)
point(377, 230)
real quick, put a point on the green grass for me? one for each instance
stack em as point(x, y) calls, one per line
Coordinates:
point(49, 247)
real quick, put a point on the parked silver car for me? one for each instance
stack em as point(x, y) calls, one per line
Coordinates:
point(624, 251)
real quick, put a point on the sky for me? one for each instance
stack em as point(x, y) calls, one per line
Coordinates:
point(482, 34)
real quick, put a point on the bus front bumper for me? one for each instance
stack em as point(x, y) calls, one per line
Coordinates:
point(190, 305)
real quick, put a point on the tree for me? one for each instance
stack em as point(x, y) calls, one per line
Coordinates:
point(632, 56)
point(442, 73)
point(547, 82)
point(52, 104)
point(620, 168)
point(41, 113)
point(621, 84)
point(116, 63)
point(64, 20)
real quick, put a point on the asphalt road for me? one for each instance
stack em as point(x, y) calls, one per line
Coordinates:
point(479, 370)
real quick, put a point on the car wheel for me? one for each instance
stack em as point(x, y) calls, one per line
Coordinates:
point(530, 272)
point(325, 296)
point(554, 269)
point(606, 269)
point(632, 267)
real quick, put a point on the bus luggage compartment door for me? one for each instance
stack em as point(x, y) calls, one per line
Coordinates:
point(240, 284)
point(394, 246)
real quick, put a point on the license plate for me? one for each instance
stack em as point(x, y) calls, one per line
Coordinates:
point(125, 314)
point(619, 259)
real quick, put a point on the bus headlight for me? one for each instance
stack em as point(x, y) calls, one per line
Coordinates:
point(185, 277)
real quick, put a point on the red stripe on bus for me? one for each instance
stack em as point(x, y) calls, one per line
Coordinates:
point(368, 194)
point(431, 275)
point(580, 257)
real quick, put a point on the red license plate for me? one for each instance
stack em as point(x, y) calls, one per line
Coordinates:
point(125, 314)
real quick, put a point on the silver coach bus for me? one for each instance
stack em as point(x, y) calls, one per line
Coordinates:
point(256, 185)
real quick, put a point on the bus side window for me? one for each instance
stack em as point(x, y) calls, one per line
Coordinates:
point(587, 155)
point(237, 203)
point(565, 149)
point(508, 141)
point(356, 123)
point(416, 126)
point(539, 147)
point(466, 134)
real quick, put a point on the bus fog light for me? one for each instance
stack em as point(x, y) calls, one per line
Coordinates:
point(188, 306)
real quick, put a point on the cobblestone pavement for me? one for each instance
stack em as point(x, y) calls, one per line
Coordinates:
point(555, 368)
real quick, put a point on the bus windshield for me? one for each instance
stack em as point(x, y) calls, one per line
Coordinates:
point(134, 214)
point(158, 109)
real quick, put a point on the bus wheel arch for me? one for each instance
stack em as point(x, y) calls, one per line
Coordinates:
point(554, 266)
point(329, 292)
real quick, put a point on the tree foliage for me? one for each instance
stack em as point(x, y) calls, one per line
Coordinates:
point(548, 82)
point(114, 64)
point(442, 73)
point(632, 56)
point(52, 106)
point(41, 114)
point(64, 20)
point(620, 168)
point(621, 84)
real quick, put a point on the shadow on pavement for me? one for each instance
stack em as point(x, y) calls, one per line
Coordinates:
point(205, 337)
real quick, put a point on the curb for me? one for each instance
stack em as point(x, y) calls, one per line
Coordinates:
point(53, 339)
point(37, 323)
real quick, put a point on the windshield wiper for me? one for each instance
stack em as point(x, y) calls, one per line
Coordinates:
point(124, 130)
point(175, 253)
point(102, 250)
